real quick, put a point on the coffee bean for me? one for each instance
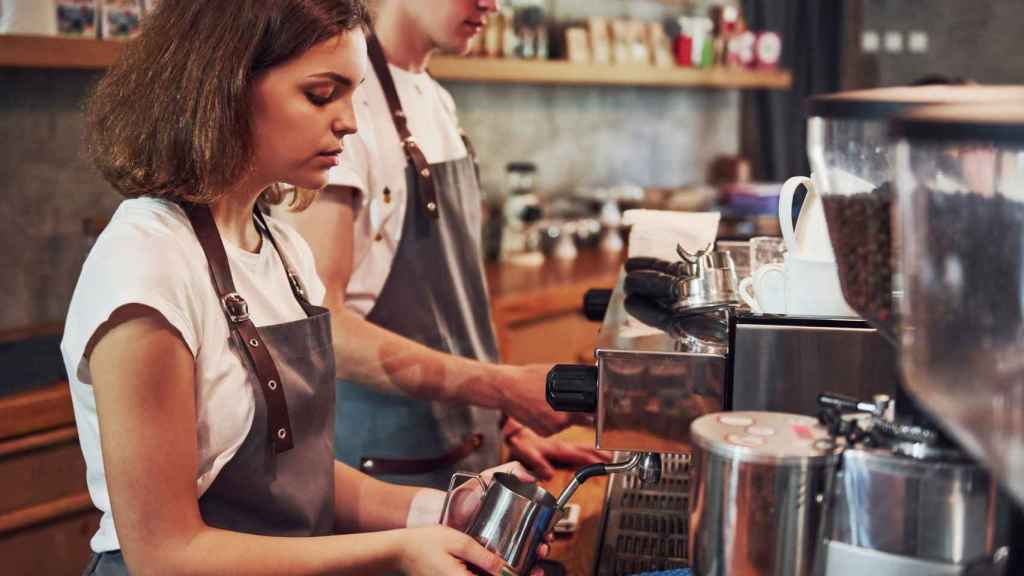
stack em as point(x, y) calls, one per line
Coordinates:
point(861, 232)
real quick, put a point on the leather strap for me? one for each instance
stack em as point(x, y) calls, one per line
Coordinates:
point(293, 279)
point(376, 466)
point(409, 145)
point(237, 311)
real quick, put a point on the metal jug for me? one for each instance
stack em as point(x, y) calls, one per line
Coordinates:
point(514, 515)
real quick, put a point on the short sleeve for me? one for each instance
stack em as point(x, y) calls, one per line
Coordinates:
point(130, 265)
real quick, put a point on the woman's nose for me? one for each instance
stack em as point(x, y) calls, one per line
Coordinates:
point(344, 124)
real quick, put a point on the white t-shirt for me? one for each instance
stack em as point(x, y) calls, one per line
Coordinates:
point(149, 255)
point(374, 160)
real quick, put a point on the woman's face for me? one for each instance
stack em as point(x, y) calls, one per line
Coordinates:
point(452, 24)
point(303, 108)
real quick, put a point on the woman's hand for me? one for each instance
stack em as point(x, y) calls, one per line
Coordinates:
point(433, 550)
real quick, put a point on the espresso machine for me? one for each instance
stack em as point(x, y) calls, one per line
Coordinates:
point(934, 375)
point(658, 370)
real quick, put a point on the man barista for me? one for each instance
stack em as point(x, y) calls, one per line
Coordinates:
point(396, 237)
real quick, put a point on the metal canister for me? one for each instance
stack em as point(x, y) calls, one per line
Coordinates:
point(758, 493)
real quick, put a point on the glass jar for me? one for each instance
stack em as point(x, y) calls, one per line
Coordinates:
point(851, 162)
point(960, 222)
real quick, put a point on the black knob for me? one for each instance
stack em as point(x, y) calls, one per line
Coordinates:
point(651, 284)
point(664, 266)
point(572, 388)
point(595, 303)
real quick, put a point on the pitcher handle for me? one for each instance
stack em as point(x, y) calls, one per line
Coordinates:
point(451, 486)
point(786, 208)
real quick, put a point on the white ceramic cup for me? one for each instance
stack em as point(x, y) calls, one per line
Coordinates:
point(765, 291)
point(798, 287)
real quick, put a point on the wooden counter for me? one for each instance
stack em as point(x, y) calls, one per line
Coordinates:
point(578, 551)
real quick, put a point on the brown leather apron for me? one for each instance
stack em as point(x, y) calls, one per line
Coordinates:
point(281, 480)
point(435, 294)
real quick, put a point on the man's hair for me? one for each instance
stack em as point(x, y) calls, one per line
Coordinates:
point(172, 116)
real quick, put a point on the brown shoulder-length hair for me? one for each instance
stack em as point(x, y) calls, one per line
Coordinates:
point(171, 118)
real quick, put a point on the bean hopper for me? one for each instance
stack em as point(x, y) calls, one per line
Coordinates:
point(960, 221)
point(848, 148)
point(854, 161)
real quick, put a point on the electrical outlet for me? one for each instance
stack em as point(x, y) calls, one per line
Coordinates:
point(869, 42)
point(894, 41)
point(917, 41)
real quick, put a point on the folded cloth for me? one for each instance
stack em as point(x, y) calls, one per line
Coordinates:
point(655, 233)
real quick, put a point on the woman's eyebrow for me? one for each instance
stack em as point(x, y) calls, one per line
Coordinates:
point(337, 78)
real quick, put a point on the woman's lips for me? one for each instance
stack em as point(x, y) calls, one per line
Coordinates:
point(329, 157)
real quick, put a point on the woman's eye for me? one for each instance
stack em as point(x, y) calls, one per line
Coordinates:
point(320, 97)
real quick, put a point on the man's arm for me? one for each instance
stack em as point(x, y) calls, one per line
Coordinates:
point(372, 356)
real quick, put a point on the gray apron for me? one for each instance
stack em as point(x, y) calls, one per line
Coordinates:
point(267, 488)
point(435, 294)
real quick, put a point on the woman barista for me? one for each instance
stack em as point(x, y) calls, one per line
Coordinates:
point(208, 440)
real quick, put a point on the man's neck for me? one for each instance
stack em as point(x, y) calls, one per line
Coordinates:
point(405, 45)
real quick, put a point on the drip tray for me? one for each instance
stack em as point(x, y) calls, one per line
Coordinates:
point(644, 528)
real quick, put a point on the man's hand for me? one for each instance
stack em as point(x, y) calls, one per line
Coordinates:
point(541, 455)
point(524, 399)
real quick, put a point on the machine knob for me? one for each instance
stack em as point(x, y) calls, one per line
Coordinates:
point(572, 388)
point(595, 303)
point(652, 284)
point(664, 266)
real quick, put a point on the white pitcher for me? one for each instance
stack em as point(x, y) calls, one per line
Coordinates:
point(809, 239)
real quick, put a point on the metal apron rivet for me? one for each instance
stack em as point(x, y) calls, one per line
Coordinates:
point(254, 343)
point(431, 206)
point(368, 465)
point(272, 385)
point(425, 173)
point(282, 433)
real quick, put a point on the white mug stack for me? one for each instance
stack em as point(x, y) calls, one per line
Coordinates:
point(806, 283)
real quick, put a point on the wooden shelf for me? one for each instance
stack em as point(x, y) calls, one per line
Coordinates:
point(80, 53)
point(51, 52)
point(572, 73)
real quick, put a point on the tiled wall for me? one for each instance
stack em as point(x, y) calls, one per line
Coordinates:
point(47, 189)
point(577, 136)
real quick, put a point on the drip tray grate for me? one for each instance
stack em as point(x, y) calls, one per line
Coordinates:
point(645, 527)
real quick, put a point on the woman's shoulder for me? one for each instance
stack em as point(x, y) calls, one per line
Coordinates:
point(148, 245)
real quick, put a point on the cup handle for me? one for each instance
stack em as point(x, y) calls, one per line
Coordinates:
point(765, 270)
point(748, 298)
point(786, 208)
point(451, 486)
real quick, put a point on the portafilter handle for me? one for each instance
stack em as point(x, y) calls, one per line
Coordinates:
point(880, 406)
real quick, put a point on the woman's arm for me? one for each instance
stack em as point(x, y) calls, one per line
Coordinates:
point(385, 361)
point(143, 376)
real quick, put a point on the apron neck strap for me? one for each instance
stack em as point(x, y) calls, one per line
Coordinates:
point(237, 311)
point(428, 194)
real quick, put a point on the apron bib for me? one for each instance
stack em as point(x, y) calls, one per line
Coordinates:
point(435, 294)
point(268, 487)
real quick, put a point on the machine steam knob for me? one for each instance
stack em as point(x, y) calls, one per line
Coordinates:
point(595, 303)
point(572, 388)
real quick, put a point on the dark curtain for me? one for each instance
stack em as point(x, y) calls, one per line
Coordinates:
point(775, 122)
